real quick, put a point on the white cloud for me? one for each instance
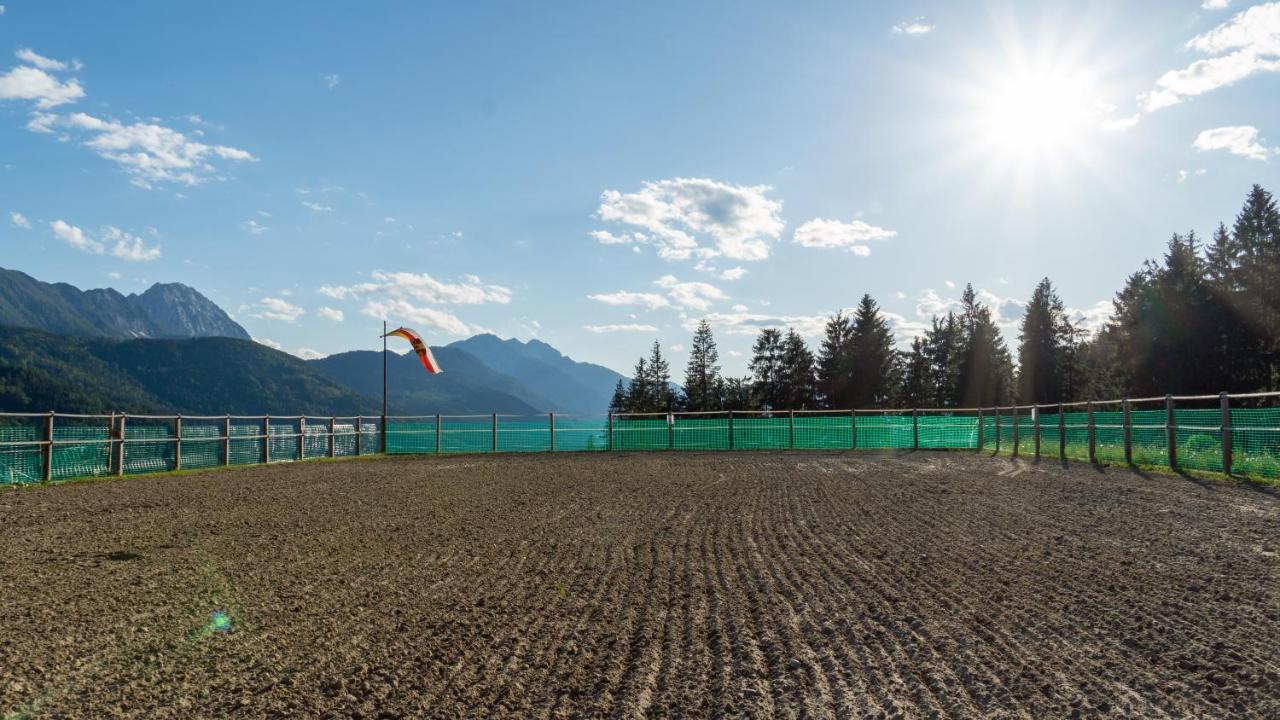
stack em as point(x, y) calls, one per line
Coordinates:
point(30, 57)
point(308, 354)
point(1239, 140)
point(254, 227)
point(652, 301)
point(114, 275)
point(269, 308)
point(677, 348)
point(29, 83)
point(918, 26)
point(1, 9)
point(1092, 319)
point(745, 323)
point(19, 220)
point(1246, 44)
point(395, 309)
point(76, 237)
point(1184, 175)
point(329, 313)
point(851, 236)
point(1122, 123)
point(733, 273)
point(599, 329)
point(129, 247)
point(692, 295)
point(316, 207)
point(150, 153)
point(950, 284)
point(1215, 4)
point(269, 343)
point(739, 220)
point(331, 81)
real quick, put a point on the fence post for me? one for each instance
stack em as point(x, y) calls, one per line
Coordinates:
point(915, 429)
point(495, 432)
point(1017, 445)
point(438, 422)
point(1128, 432)
point(552, 418)
point(359, 433)
point(1225, 401)
point(980, 437)
point(997, 429)
point(1035, 428)
point(610, 431)
point(730, 429)
point(302, 438)
point(1093, 435)
point(226, 439)
point(266, 439)
point(382, 434)
point(1171, 431)
point(333, 438)
point(791, 429)
point(46, 474)
point(177, 443)
point(120, 446)
point(853, 429)
point(1062, 434)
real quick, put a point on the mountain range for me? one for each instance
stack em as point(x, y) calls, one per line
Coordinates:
point(171, 349)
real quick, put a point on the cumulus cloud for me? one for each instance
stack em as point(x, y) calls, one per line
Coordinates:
point(254, 227)
point(834, 234)
point(733, 273)
point(329, 313)
point(918, 26)
point(391, 308)
point(332, 81)
point(129, 247)
point(308, 354)
point(692, 295)
point(269, 343)
point(1184, 175)
point(1247, 44)
point(1239, 140)
point(316, 207)
point(600, 329)
point(680, 216)
point(270, 308)
point(1215, 4)
point(31, 57)
point(150, 153)
point(75, 237)
point(36, 85)
point(651, 301)
point(403, 295)
point(747, 323)
point(19, 220)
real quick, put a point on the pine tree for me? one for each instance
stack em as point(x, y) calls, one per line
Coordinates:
point(834, 360)
point(639, 391)
point(798, 374)
point(702, 384)
point(619, 402)
point(736, 392)
point(766, 369)
point(1256, 234)
point(871, 358)
point(662, 398)
point(915, 376)
point(985, 367)
point(1043, 339)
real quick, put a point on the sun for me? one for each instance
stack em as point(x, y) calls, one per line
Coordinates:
point(1036, 113)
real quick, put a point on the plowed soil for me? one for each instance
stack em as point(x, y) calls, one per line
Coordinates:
point(657, 585)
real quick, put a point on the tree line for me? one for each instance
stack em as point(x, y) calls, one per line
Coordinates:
point(1203, 318)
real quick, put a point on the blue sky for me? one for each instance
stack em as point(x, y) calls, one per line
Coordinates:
point(600, 175)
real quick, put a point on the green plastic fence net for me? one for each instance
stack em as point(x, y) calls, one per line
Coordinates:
point(87, 446)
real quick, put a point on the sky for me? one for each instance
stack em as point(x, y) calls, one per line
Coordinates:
point(604, 175)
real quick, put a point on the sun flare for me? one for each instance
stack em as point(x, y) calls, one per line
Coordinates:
point(1037, 113)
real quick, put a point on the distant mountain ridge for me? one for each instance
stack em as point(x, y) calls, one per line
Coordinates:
point(572, 387)
point(169, 310)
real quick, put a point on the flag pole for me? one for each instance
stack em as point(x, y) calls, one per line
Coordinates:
point(384, 386)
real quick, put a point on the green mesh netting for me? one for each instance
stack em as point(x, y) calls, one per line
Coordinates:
point(84, 446)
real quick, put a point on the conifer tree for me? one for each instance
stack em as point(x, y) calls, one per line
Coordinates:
point(798, 374)
point(1042, 342)
point(702, 383)
point(871, 358)
point(766, 369)
point(834, 359)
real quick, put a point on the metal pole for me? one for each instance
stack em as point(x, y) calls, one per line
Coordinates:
point(791, 428)
point(302, 438)
point(611, 431)
point(1171, 431)
point(997, 428)
point(120, 447)
point(359, 433)
point(730, 429)
point(333, 438)
point(1093, 435)
point(495, 433)
point(226, 440)
point(1062, 435)
point(177, 443)
point(437, 433)
point(383, 426)
point(1128, 432)
point(915, 429)
point(266, 439)
point(1035, 427)
point(853, 429)
point(47, 471)
point(1225, 401)
point(980, 437)
point(552, 420)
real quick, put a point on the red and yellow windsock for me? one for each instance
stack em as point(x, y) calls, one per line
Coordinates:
point(424, 352)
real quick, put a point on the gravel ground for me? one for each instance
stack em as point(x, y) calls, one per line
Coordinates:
point(643, 585)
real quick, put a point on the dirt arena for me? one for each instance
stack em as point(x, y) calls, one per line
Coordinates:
point(643, 585)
